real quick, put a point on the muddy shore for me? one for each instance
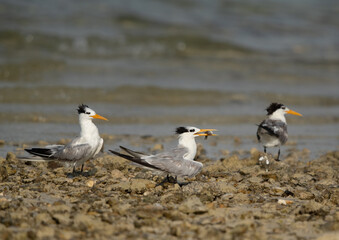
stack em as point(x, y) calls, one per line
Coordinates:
point(232, 198)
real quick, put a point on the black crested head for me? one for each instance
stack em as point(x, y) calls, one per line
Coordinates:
point(181, 130)
point(273, 107)
point(81, 108)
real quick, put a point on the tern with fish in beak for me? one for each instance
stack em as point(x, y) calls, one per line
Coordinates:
point(179, 161)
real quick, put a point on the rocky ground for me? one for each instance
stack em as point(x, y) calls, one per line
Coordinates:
point(232, 198)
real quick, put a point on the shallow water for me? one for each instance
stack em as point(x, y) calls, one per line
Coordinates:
point(151, 66)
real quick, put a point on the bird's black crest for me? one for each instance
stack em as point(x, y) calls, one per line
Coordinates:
point(181, 130)
point(81, 108)
point(273, 107)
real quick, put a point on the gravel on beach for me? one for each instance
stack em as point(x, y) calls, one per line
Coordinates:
point(232, 198)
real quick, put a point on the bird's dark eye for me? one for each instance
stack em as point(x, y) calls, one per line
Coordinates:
point(283, 107)
point(192, 130)
point(88, 113)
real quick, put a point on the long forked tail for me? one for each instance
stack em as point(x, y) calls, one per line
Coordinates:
point(133, 153)
point(41, 152)
point(40, 155)
point(33, 159)
point(136, 160)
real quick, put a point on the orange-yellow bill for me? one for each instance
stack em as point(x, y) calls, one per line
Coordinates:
point(206, 132)
point(293, 112)
point(99, 117)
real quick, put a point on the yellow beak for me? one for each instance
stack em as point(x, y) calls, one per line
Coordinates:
point(99, 117)
point(206, 132)
point(293, 112)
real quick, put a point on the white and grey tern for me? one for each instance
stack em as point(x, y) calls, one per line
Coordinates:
point(179, 161)
point(79, 150)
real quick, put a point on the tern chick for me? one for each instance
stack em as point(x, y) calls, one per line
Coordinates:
point(272, 132)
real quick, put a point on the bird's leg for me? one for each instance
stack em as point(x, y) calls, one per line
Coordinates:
point(170, 179)
point(165, 180)
point(278, 156)
point(264, 149)
point(82, 168)
point(73, 174)
point(180, 183)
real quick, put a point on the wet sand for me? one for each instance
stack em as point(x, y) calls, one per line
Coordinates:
point(232, 198)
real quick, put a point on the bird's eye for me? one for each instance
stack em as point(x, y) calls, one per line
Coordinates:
point(88, 113)
point(192, 130)
point(283, 107)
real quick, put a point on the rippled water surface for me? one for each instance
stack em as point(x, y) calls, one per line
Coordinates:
point(150, 66)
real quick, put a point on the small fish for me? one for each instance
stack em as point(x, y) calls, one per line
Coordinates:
point(209, 133)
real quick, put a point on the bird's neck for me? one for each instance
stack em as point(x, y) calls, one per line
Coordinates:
point(189, 143)
point(88, 129)
point(277, 116)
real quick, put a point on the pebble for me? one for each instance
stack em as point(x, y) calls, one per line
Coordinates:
point(90, 183)
point(192, 205)
point(115, 173)
point(284, 201)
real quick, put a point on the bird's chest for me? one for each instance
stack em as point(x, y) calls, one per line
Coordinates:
point(189, 155)
point(270, 141)
point(95, 142)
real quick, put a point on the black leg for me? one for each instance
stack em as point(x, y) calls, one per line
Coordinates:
point(173, 180)
point(182, 183)
point(278, 156)
point(82, 168)
point(165, 180)
point(264, 149)
point(73, 174)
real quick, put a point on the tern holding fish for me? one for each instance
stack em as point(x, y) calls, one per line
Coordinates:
point(178, 162)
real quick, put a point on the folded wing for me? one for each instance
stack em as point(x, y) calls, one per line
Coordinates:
point(68, 153)
point(174, 163)
point(274, 128)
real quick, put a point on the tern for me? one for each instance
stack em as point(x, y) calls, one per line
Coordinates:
point(79, 150)
point(272, 132)
point(179, 161)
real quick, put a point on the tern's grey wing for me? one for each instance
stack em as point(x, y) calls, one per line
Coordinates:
point(274, 128)
point(69, 153)
point(174, 163)
point(55, 147)
point(73, 153)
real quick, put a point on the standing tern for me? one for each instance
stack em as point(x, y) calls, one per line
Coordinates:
point(179, 161)
point(272, 132)
point(79, 150)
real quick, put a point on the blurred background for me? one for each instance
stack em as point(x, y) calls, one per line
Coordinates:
point(152, 65)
